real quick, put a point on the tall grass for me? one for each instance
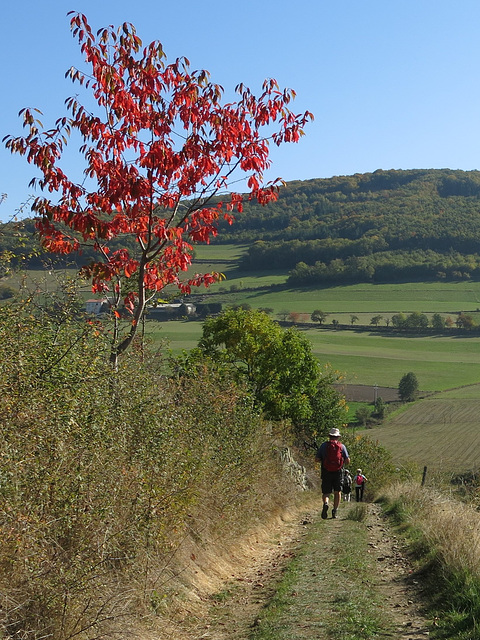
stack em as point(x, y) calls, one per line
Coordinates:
point(446, 535)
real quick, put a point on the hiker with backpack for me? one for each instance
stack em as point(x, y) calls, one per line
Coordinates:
point(347, 485)
point(332, 455)
point(359, 480)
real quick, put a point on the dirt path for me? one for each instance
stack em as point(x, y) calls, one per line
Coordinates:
point(235, 611)
point(399, 589)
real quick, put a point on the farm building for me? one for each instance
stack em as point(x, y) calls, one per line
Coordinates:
point(173, 310)
point(96, 307)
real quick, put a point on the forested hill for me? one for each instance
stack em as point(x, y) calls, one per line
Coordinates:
point(374, 226)
point(381, 226)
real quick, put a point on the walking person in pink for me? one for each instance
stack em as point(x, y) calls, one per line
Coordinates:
point(359, 482)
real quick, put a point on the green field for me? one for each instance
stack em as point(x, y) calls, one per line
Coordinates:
point(367, 358)
point(221, 252)
point(371, 299)
point(180, 335)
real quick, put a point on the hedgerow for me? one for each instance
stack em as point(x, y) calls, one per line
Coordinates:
point(104, 473)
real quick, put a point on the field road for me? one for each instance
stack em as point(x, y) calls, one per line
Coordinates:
point(365, 589)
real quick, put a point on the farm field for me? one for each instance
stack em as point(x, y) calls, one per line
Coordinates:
point(180, 335)
point(219, 252)
point(441, 432)
point(440, 363)
point(341, 302)
point(371, 299)
point(366, 358)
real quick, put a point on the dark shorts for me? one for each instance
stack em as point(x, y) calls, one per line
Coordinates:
point(331, 481)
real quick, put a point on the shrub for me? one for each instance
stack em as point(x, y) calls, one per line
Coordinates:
point(6, 292)
point(374, 460)
point(103, 474)
point(363, 415)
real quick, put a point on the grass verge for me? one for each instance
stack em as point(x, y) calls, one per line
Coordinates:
point(444, 538)
point(332, 568)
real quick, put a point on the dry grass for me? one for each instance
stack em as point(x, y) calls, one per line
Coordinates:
point(446, 535)
point(451, 527)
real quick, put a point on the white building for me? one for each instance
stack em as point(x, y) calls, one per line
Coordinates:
point(97, 306)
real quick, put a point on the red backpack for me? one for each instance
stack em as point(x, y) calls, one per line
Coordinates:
point(333, 460)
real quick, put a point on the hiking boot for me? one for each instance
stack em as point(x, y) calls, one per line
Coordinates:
point(324, 511)
point(334, 513)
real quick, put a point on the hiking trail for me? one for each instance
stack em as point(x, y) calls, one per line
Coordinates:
point(235, 613)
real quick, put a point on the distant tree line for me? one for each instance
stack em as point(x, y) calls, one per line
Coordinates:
point(413, 321)
point(389, 266)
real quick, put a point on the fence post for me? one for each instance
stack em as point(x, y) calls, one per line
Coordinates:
point(424, 475)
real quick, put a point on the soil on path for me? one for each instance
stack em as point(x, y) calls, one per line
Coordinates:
point(235, 611)
point(399, 590)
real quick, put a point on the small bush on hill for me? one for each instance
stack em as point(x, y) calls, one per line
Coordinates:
point(374, 460)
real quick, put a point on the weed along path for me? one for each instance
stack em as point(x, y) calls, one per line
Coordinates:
point(342, 579)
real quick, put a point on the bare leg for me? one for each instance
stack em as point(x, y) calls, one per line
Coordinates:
point(325, 506)
point(336, 499)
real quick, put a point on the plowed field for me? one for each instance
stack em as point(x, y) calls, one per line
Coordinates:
point(439, 432)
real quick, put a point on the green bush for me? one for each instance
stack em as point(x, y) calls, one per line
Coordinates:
point(6, 292)
point(374, 460)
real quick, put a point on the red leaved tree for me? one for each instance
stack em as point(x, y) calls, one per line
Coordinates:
point(158, 145)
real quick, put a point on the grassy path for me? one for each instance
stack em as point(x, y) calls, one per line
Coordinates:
point(343, 579)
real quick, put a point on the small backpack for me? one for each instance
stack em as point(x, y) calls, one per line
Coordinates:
point(359, 480)
point(333, 460)
point(347, 483)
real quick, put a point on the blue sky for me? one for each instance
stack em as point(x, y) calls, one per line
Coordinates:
point(393, 84)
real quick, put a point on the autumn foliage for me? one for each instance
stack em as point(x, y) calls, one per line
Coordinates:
point(158, 148)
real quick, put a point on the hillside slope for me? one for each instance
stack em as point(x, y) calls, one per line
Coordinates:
point(391, 203)
point(381, 227)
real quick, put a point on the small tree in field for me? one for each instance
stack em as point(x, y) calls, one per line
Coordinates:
point(408, 387)
point(318, 316)
point(159, 147)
